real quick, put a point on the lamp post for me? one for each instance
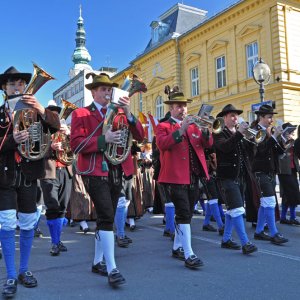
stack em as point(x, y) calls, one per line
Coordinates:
point(261, 74)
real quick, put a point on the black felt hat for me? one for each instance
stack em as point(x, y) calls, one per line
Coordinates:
point(265, 109)
point(228, 109)
point(13, 73)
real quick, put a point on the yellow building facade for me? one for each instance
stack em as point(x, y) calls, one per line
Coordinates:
point(212, 62)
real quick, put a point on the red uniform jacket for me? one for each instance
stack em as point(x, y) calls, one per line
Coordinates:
point(84, 122)
point(174, 151)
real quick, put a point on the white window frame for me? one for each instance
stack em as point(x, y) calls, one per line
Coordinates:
point(251, 57)
point(194, 74)
point(221, 71)
point(159, 108)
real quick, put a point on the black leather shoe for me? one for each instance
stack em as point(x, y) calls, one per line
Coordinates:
point(193, 262)
point(221, 230)
point(27, 279)
point(122, 242)
point(54, 251)
point(295, 222)
point(115, 278)
point(262, 236)
point(85, 230)
point(230, 244)
point(62, 247)
point(209, 228)
point(129, 240)
point(100, 268)
point(9, 288)
point(285, 221)
point(167, 233)
point(178, 253)
point(38, 232)
point(132, 228)
point(278, 239)
point(249, 248)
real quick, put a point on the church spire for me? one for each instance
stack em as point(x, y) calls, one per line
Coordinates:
point(81, 56)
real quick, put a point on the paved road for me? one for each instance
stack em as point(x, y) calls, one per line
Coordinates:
point(151, 273)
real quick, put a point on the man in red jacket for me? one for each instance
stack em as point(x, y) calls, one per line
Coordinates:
point(102, 180)
point(181, 144)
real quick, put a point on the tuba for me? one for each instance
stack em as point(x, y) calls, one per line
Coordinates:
point(38, 143)
point(66, 156)
point(117, 120)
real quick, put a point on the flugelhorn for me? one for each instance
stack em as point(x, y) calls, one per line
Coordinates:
point(217, 124)
point(252, 135)
point(38, 143)
point(66, 156)
point(116, 119)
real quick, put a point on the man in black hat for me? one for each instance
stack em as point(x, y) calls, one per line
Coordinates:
point(102, 180)
point(265, 166)
point(18, 180)
point(181, 144)
point(233, 175)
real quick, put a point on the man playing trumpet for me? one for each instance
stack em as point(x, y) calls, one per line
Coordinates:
point(265, 166)
point(233, 176)
point(181, 144)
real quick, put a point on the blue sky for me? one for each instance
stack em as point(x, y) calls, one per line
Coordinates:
point(43, 31)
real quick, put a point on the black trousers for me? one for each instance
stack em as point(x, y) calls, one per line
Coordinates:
point(21, 196)
point(267, 183)
point(184, 196)
point(56, 194)
point(233, 191)
point(105, 193)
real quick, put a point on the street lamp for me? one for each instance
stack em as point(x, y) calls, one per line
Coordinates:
point(261, 74)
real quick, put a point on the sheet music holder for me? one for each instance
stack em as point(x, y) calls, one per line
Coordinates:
point(205, 110)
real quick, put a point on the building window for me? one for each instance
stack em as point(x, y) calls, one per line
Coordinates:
point(141, 102)
point(81, 85)
point(221, 71)
point(194, 82)
point(159, 108)
point(252, 57)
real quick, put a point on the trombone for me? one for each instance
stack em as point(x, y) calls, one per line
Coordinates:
point(217, 124)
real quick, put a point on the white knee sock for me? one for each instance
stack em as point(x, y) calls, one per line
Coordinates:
point(98, 249)
point(184, 231)
point(177, 241)
point(108, 246)
point(131, 222)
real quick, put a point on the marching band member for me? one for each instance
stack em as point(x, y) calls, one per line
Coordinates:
point(56, 186)
point(18, 181)
point(122, 239)
point(233, 174)
point(212, 194)
point(181, 146)
point(265, 166)
point(289, 186)
point(103, 181)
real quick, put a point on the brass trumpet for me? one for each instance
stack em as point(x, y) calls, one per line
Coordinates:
point(256, 136)
point(217, 124)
